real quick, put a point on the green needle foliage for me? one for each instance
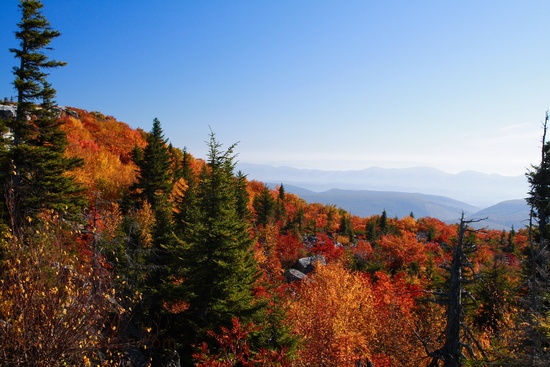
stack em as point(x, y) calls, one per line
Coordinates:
point(154, 181)
point(221, 277)
point(35, 167)
point(154, 185)
point(215, 256)
point(153, 189)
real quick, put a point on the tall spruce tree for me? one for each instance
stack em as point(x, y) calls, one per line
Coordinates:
point(217, 262)
point(264, 207)
point(154, 186)
point(35, 175)
point(154, 181)
point(185, 213)
point(242, 197)
point(186, 217)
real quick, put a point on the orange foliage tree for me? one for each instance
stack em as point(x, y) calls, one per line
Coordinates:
point(334, 315)
point(435, 230)
point(105, 145)
point(402, 251)
point(395, 301)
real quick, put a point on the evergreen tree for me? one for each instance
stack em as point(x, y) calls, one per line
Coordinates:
point(280, 211)
point(242, 197)
point(155, 180)
point(383, 222)
point(154, 185)
point(345, 227)
point(177, 161)
point(264, 206)
point(185, 214)
point(296, 223)
point(281, 192)
point(153, 188)
point(494, 295)
point(539, 193)
point(371, 229)
point(511, 245)
point(186, 217)
point(35, 176)
point(217, 261)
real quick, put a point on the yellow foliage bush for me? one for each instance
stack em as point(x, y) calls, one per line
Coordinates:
point(54, 307)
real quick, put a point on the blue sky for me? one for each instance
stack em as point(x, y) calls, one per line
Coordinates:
point(455, 85)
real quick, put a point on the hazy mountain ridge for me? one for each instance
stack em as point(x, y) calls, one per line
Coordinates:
point(364, 203)
point(400, 204)
point(400, 192)
point(504, 215)
point(475, 188)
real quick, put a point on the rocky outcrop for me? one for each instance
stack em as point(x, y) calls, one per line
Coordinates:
point(7, 111)
point(307, 264)
point(293, 275)
point(61, 111)
point(304, 266)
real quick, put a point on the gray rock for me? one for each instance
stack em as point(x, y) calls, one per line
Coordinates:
point(293, 275)
point(71, 113)
point(307, 264)
point(7, 111)
point(65, 111)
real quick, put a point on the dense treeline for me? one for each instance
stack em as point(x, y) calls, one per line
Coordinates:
point(118, 249)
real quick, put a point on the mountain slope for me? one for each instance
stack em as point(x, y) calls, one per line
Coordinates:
point(504, 215)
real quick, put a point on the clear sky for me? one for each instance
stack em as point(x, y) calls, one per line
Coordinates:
point(456, 85)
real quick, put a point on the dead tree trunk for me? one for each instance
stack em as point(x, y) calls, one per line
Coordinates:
point(451, 352)
point(452, 348)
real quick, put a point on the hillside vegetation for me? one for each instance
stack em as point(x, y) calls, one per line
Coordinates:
point(118, 249)
point(377, 299)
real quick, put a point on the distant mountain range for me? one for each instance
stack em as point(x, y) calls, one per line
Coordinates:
point(505, 214)
point(478, 189)
point(422, 191)
point(364, 203)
